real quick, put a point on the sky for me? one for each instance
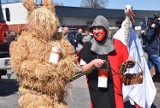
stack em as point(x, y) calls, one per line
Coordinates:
point(120, 4)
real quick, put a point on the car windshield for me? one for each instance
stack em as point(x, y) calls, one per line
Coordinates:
point(73, 31)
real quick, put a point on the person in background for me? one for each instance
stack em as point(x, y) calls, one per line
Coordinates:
point(87, 36)
point(69, 36)
point(5, 36)
point(103, 53)
point(78, 38)
point(152, 46)
point(12, 36)
point(111, 34)
point(9, 36)
point(77, 34)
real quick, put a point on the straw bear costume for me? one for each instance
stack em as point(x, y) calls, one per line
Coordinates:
point(42, 84)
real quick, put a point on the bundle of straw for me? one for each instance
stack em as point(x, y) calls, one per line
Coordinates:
point(31, 99)
point(42, 84)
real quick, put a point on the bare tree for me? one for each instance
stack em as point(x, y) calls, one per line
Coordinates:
point(94, 3)
point(59, 4)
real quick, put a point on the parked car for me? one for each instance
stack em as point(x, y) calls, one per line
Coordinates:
point(4, 66)
point(4, 59)
point(73, 31)
point(5, 63)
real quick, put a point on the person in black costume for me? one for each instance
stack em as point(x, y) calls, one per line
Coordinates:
point(102, 52)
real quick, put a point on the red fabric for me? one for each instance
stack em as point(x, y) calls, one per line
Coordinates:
point(91, 105)
point(116, 58)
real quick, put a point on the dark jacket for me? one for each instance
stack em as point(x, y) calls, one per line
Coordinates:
point(71, 40)
point(79, 39)
point(153, 42)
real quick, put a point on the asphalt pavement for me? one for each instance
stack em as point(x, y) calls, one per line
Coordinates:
point(78, 96)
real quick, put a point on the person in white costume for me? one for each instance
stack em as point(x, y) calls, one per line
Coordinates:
point(142, 95)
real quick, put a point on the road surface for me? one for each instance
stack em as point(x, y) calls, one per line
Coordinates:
point(78, 96)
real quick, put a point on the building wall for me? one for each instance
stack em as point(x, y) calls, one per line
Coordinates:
point(18, 15)
point(76, 21)
point(84, 22)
